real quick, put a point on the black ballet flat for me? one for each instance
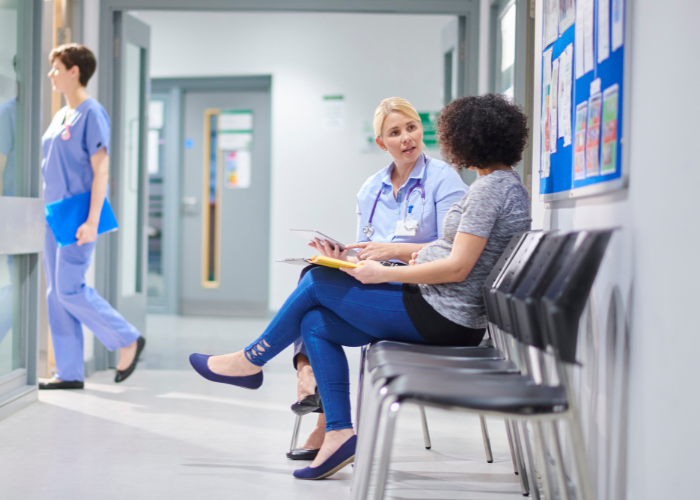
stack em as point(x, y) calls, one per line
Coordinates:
point(122, 375)
point(302, 454)
point(63, 384)
point(310, 404)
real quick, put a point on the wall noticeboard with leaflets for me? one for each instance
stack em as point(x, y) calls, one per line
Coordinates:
point(585, 111)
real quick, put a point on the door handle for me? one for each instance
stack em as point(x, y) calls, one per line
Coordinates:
point(189, 205)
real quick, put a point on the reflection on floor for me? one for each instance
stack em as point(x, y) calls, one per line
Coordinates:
point(167, 433)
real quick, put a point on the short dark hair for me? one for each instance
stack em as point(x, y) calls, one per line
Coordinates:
point(478, 131)
point(73, 54)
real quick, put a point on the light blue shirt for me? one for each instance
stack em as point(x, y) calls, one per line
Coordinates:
point(66, 167)
point(443, 188)
point(8, 118)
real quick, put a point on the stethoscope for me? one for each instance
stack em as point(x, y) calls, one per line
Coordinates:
point(65, 135)
point(408, 221)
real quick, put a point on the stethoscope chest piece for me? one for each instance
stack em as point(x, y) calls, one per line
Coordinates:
point(368, 230)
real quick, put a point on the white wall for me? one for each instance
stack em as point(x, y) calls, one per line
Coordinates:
point(316, 174)
point(653, 253)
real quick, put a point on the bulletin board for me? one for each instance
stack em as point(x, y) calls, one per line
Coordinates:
point(585, 111)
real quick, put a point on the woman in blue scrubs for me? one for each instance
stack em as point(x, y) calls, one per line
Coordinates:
point(76, 147)
point(399, 210)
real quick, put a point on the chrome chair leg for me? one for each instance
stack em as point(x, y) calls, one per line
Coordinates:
point(540, 452)
point(424, 423)
point(559, 457)
point(392, 410)
point(510, 445)
point(534, 485)
point(584, 489)
point(524, 486)
point(295, 433)
point(367, 441)
point(487, 440)
point(360, 388)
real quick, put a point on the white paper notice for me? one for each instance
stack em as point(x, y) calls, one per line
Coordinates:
point(334, 112)
point(229, 141)
point(603, 30)
point(237, 169)
point(236, 120)
point(553, 113)
point(578, 39)
point(551, 21)
point(618, 24)
point(567, 14)
point(546, 120)
point(588, 21)
point(564, 98)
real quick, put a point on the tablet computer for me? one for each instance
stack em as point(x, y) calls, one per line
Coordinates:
point(311, 234)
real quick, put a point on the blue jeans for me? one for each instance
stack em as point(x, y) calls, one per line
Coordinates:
point(330, 309)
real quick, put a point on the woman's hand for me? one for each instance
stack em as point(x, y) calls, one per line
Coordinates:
point(328, 250)
point(371, 250)
point(87, 233)
point(369, 272)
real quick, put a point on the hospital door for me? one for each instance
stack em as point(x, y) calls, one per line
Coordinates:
point(226, 203)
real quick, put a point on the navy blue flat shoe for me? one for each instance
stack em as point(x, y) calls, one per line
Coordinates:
point(343, 456)
point(199, 363)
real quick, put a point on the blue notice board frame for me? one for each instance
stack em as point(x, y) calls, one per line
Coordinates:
point(614, 70)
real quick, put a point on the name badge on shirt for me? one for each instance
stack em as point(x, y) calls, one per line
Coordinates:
point(402, 231)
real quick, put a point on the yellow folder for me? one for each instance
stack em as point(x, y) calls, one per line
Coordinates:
point(331, 262)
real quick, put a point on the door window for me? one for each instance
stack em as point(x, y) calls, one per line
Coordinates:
point(8, 98)
point(156, 192)
point(10, 333)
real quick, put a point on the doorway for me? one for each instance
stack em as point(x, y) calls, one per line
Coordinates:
point(210, 200)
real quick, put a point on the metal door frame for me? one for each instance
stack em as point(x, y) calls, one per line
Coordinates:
point(22, 230)
point(108, 250)
point(176, 89)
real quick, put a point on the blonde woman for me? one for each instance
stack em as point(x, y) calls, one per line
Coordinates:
point(399, 209)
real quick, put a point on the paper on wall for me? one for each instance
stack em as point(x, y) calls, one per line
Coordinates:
point(564, 97)
point(553, 114)
point(237, 169)
point(578, 39)
point(603, 30)
point(618, 24)
point(551, 21)
point(595, 105)
point(608, 163)
point(580, 142)
point(567, 14)
point(236, 120)
point(334, 112)
point(545, 112)
point(588, 21)
point(235, 140)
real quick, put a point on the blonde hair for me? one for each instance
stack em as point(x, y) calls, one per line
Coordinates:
point(391, 105)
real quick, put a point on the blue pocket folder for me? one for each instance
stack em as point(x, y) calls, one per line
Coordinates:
point(64, 217)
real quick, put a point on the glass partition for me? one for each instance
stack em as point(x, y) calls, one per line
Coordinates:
point(10, 333)
point(8, 95)
point(506, 69)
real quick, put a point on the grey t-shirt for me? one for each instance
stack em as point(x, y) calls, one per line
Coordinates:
point(496, 207)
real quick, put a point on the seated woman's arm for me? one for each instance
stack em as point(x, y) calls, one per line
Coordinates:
point(466, 250)
point(371, 250)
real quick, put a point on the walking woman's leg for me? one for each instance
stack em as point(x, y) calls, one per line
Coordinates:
point(83, 301)
point(66, 331)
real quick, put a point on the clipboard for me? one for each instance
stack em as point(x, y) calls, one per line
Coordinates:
point(64, 217)
point(321, 260)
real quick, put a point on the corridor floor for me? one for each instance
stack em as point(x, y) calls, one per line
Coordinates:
point(166, 433)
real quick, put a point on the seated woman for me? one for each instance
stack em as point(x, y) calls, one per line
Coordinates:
point(399, 209)
point(440, 299)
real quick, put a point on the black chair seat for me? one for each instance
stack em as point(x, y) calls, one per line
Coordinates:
point(432, 363)
point(387, 351)
point(508, 394)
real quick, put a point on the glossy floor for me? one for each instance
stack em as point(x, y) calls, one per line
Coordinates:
point(167, 433)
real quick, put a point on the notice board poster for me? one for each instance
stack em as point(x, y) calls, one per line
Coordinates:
point(583, 95)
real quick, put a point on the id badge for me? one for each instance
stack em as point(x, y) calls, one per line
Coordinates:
point(402, 231)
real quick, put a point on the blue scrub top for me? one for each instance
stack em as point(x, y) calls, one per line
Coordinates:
point(66, 167)
point(8, 120)
point(443, 188)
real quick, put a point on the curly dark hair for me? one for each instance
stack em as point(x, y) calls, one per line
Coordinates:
point(478, 131)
